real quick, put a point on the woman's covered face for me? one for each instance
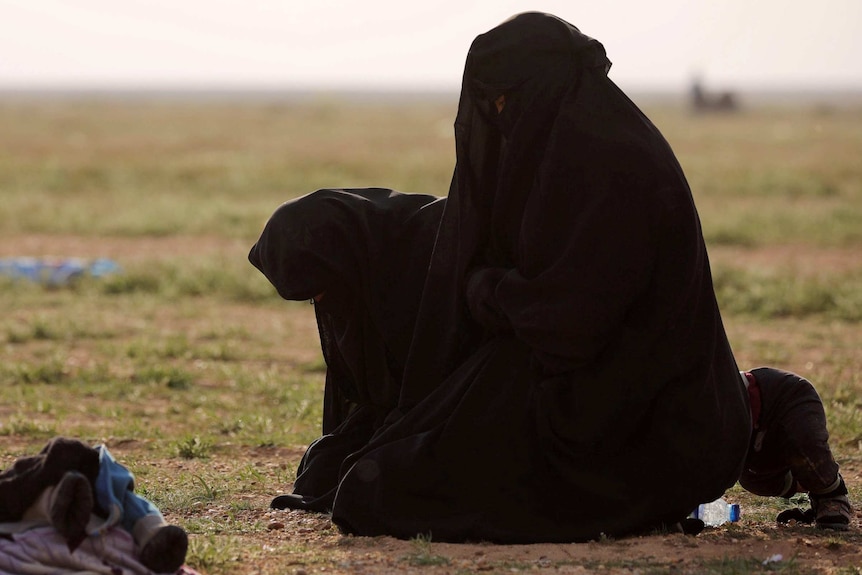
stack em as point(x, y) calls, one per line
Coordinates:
point(500, 103)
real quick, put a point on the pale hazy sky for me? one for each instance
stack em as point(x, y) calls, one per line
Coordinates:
point(406, 43)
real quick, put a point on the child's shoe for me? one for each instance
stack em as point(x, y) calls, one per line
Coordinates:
point(165, 552)
point(832, 512)
point(71, 506)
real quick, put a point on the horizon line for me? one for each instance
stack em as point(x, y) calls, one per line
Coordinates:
point(227, 86)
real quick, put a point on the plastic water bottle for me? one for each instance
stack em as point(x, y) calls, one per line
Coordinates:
point(717, 512)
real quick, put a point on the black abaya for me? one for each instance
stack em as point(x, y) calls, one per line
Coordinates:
point(366, 250)
point(568, 371)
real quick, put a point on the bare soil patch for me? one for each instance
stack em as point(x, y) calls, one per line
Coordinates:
point(318, 547)
point(803, 259)
point(124, 248)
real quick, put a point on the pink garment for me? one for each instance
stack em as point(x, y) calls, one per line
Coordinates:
point(43, 551)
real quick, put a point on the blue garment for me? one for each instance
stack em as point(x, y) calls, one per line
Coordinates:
point(115, 493)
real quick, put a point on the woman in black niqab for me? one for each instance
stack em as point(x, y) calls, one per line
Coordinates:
point(568, 374)
point(359, 255)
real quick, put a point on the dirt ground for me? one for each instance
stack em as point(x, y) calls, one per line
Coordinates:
point(316, 546)
point(302, 543)
point(749, 546)
point(125, 249)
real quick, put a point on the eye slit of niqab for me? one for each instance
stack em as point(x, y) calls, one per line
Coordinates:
point(500, 103)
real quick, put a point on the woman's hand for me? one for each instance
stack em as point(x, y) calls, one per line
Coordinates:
point(482, 300)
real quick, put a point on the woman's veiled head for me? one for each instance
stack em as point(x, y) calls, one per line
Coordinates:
point(529, 52)
point(341, 242)
point(536, 62)
point(313, 245)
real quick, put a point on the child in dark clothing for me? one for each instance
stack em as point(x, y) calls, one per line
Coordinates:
point(789, 451)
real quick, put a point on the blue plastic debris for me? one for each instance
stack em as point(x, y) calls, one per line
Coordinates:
point(56, 271)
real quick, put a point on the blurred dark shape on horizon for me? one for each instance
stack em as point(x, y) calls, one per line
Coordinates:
point(705, 102)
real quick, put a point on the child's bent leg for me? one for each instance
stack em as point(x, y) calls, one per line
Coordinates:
point(778, 483)
point(136, 509)
point(766, 471)
point(798, 429)
point(66, 506)
point(806, 443)
point(115, 491)
point(163, 547)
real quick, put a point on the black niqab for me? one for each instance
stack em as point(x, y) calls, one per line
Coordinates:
point(535, 61)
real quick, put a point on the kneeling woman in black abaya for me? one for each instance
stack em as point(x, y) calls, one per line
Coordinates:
point(360, 256)
point(568, 373)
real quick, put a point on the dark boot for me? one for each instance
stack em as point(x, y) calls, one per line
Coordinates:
point(71, 506)
point(165, 552)
point(832, 510)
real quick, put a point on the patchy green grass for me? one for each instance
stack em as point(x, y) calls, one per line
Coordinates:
point(770, 294)
point(162, 168)
point(422, 553)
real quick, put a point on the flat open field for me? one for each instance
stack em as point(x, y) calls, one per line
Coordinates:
point(209, 387)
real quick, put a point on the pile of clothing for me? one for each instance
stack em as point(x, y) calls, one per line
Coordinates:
point(73, 507)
